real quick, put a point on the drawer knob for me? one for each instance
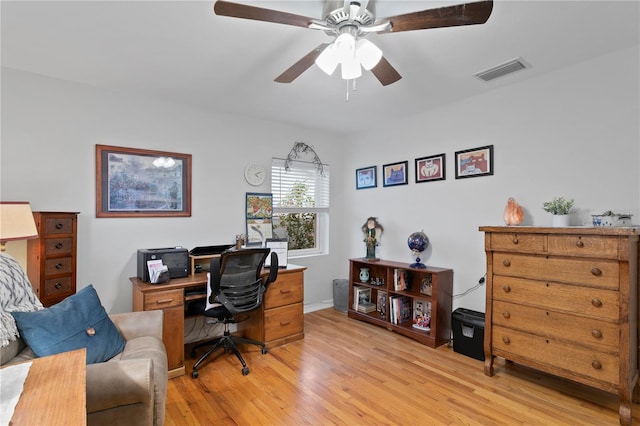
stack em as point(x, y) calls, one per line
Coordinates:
point(596, 365)
point(59, 246)
point(596, 272)
point(59, 265)
point(506, 314)
point(283, 323)
point(506, 288)
point(506, 262)
point(596, 302)
point(579, 243)
point(515, 239)
point(596, 333)
point(58, 286)
point(164, 301)
point(506, 340)
point(59, 226)
point(285, 291)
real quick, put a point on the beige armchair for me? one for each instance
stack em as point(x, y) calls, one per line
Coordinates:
point(128, 389)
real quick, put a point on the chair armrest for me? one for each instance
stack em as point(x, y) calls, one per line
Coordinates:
point(119, 383)
point(138, 324)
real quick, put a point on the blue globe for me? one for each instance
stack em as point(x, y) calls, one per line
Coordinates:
point(418, 242)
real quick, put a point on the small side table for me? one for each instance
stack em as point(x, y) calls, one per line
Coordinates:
point(55, 391)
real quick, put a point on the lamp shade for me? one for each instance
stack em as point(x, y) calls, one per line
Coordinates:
point(368, 54)
point(16, 221)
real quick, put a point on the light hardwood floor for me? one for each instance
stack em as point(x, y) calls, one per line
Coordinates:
point(346, 372)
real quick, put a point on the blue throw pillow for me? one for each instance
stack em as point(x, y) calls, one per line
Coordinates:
point(79, 321)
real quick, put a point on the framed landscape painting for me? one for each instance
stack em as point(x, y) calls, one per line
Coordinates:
point(142, 183)
point(474, 162)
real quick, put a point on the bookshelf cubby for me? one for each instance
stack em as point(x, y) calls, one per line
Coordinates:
point(383, 276)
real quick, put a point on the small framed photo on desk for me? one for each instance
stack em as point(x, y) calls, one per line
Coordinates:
point(281, 247)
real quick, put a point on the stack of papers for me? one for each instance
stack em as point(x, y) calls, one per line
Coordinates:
point(156, 268)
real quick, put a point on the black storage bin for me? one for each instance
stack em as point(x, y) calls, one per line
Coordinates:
point(468, 333)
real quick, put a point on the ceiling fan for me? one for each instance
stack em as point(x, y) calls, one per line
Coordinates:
point(350, 21)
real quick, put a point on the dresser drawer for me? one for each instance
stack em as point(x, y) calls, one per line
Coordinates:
point(287, 289)
point(284, 321)
point(60, 265)
point(58, 225)
point(597, 302)
point(58, 246)
point(584, 246)
point(584, 361)
point(57, 287)
point(523, 243)
point(556, 325)
point(593, 272)
point(163, 299)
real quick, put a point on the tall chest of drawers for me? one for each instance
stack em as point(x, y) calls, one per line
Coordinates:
point(51, 258)
point(565, 301)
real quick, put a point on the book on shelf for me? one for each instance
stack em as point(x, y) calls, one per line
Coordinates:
point(401, 280)
point(366, 307)
point(400, 309)
point(426, 285)
point(421, 314)
point(381, 304)
point(360, 295)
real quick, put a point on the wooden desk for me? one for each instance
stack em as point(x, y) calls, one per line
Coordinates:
point(55, 391)
point(279, 320)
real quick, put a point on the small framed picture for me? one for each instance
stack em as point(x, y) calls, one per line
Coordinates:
point(430, 168)
point(395, 174)
point(367, 177)
point(474, 162)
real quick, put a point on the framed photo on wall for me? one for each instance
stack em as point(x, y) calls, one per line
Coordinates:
point(474, 162)
point(142, 183)
point(430, 168)
point(367, 177)
point(395, 173)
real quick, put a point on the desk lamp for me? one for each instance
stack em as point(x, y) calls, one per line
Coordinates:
point(16, 222)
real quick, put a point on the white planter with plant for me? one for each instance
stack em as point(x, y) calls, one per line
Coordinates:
point(559, 207)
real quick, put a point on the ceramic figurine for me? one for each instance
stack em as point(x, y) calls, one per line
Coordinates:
point(372, 232)
point(513, 214)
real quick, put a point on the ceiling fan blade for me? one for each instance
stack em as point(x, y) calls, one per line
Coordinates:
point(301, 66)
point(450, 16)
point(237, 10)
point(385, 72)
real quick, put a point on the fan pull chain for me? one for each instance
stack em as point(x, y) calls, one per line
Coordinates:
point(353, 87)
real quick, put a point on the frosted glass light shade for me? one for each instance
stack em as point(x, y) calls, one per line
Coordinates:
point(327, 61)
point(368, 54)
point(351, 69)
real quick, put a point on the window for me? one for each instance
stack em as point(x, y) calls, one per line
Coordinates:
point(301, 206)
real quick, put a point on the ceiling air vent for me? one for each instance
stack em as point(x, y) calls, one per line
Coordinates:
point(501, 70)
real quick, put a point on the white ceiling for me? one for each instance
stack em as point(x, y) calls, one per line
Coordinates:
point(181, 51)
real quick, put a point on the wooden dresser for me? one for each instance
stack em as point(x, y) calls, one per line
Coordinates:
point(51, 258)
point(565, 301)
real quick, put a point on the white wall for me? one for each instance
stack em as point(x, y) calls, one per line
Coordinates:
point(572, 133)
point(49, 132)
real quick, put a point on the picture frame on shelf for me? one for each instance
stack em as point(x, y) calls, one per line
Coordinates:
point(395, 174)
point(474, 162)
point(431, 168)
point(367, 177)
point(133, 182)
point(259, 218)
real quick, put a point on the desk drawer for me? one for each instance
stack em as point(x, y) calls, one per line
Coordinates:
point(282, 322)
point(163, 299)
point(287, 289)
point(58, 246)
point(594, 272)
point(61, 265)
point(58, 225)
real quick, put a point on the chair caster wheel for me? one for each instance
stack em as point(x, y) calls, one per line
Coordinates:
point(245, 371)
point(195, 374)
point(264, 351)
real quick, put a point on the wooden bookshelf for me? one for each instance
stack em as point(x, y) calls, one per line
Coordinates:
point(383, 277)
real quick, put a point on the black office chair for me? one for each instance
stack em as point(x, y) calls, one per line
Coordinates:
point(235, 287)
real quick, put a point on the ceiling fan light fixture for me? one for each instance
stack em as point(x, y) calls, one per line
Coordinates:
point(351, 69)
point(328, 60)
point(368, 54)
